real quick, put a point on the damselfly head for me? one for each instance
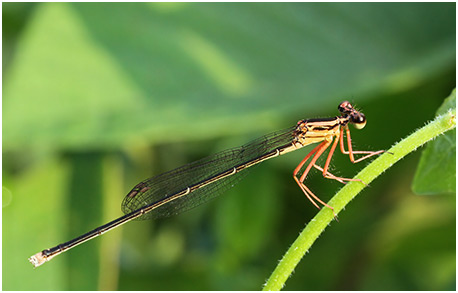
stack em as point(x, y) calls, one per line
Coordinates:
point(357, 118)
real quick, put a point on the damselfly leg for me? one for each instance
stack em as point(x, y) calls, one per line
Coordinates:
point(317, 152)
point(350, 151)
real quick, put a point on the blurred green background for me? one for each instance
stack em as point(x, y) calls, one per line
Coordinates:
point(99, 96)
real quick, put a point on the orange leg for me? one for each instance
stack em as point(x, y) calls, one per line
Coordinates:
point(310, 194)
point(350, 151)
point(316, 152)
point(304, 190)
point(305, 159)
point(328, 175)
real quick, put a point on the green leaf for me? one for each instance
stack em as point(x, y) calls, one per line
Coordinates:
point(436, 172)
point(98, 75)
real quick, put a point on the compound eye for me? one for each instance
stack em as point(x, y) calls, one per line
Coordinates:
point(359, 120)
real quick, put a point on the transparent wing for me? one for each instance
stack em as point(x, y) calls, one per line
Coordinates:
point(164, 185)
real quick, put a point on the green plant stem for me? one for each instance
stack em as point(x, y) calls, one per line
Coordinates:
point(317, 225)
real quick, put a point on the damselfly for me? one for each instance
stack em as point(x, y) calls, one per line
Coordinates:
point(195, 183)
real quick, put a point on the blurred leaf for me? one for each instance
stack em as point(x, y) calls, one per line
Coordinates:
point(84, 214)
point(398, 243)
point(93, 75)
point(28, 224)
point(436, 172)
point(245, 217)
